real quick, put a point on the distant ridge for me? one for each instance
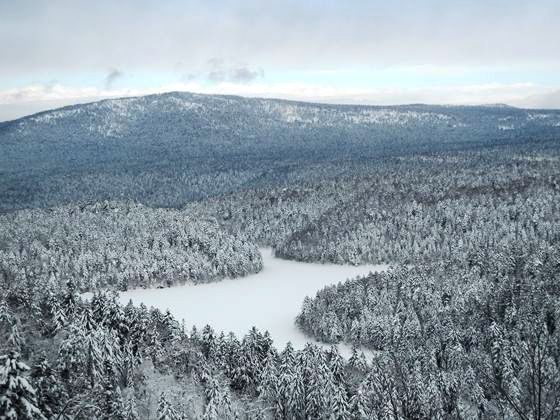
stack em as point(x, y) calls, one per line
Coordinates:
point(186, 146)
point(318, 103)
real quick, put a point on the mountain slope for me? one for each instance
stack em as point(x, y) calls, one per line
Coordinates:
point(187, 146)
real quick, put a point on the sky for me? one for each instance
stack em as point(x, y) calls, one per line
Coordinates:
point(59, 52)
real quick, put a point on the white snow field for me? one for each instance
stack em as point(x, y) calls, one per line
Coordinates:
point(269, 300)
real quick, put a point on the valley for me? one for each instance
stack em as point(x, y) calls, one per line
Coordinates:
point(167, 210)
point(279, 210)
point(269, 300)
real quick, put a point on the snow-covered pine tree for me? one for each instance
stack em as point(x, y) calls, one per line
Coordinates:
point(112, 405)
point(339, 405)
point(358, 403)
point(49, 390)
point(165, 410)
point(130, 410)
point(17, 397)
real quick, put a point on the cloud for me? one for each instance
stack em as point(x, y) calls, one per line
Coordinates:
point(47, 92)
point(549, 100)
point(221, 71)
point(275, 34)
point(111, 77)
point(371, 51)
point(245, 75)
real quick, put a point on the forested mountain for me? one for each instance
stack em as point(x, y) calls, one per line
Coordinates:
point(182, 188)
point(403, 210)
point(172, 148)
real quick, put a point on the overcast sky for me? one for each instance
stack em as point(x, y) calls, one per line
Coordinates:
point(351, 51)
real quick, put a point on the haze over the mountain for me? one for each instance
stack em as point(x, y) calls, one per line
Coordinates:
point(544, 101)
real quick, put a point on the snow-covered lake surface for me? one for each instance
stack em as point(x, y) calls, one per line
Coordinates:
point(269, 300)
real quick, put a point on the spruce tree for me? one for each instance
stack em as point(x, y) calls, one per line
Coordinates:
point(358, 404)
point(18, 399)
point(130, 410)
point(165, 410)
point(339, 405)
point(49, 390)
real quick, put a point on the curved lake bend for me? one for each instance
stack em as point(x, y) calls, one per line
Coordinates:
point(269, 300)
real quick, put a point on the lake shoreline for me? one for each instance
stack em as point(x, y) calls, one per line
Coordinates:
point(269, 300)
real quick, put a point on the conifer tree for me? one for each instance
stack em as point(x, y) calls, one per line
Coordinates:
point(165, 410)
point(339, 405)
point(358, 404)
point(130, 410)
point(50, 391)
point(112, 405)
point(18, 399)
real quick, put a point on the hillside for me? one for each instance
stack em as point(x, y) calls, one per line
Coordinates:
point(173, 148)
point(462, 202)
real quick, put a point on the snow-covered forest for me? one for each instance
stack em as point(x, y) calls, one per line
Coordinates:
point(124, 245)
point(464, 325)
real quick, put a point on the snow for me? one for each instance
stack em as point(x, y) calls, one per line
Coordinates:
point(305, 114)
point(269, 300)
point(397, 117)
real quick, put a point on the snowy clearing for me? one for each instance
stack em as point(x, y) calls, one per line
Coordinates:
point(269, 300)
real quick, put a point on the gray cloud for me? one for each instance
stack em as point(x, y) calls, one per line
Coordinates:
point(217, 72)
point(111, 77)
point(245, 75)
point(276, 34)
point(216, 76)
point(189, 77)
point(422, 50)
point(220, 71)
point(549, 100)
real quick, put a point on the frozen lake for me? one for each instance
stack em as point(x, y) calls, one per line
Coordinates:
point(269, 300)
